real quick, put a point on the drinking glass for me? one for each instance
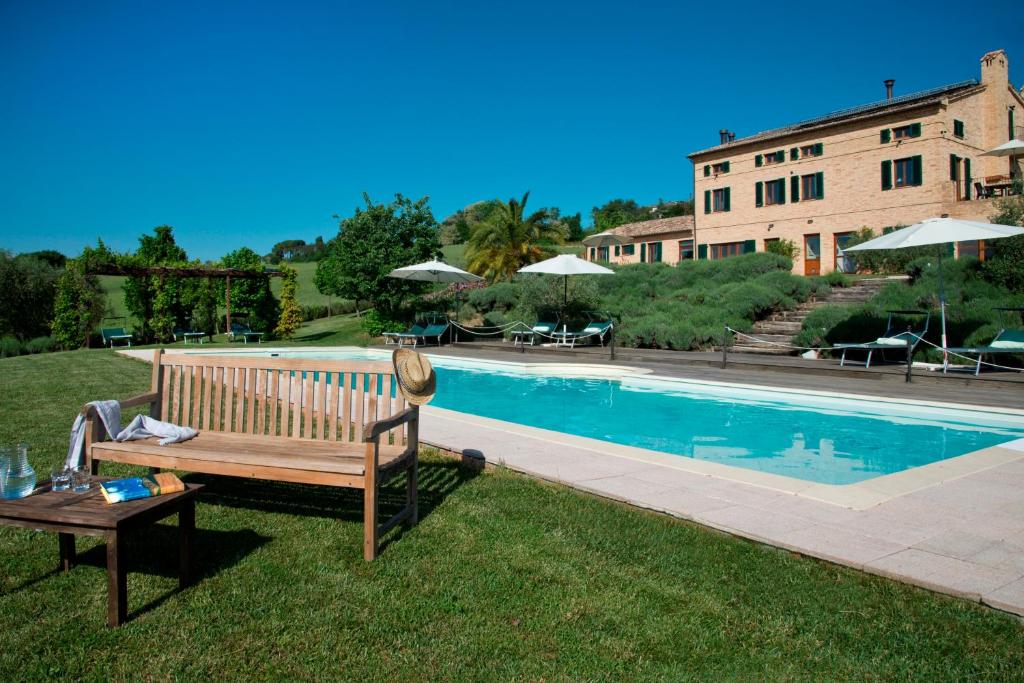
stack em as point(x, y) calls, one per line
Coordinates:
point(80, 479)
point(60, 478)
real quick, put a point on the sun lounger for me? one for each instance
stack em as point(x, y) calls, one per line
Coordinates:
point(112, 334)
point(181, 333)
point(892, 340)
point(398, 338)
point(595, 329)
point(540, 329)
point(245, 332)
point(1007, 341)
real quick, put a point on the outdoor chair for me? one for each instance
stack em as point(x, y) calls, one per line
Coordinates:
point(981, 191)
point(245, 332)
point(539, 329)
point(437, 325)
point(412, 334)
point(112, 334)
point(186, 335)
point(1007, 341)
point(892, 340)
point(595, 329)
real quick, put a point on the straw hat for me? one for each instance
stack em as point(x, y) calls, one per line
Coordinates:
point(416, 378)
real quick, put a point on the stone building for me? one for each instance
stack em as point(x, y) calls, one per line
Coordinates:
point(880, 165)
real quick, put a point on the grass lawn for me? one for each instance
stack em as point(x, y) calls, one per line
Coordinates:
point(504, 578)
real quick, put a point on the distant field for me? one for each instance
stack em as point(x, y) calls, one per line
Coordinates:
point(113, 285)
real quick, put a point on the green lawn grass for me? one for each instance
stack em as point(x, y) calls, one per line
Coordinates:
point(505, 578)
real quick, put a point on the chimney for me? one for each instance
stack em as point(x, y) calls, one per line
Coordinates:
point(723, 136)
point(732, 136)
point(889, 82)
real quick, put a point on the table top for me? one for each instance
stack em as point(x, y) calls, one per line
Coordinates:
point(88, 509)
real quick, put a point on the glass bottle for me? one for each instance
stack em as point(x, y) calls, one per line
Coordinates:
point(19, 479)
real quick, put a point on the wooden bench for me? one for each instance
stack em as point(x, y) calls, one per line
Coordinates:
point(334, 423)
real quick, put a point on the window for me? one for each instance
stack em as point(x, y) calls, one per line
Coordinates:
point(602, 253)
point(958, 129)
point(770, 158)
point(593, 254)
point(812, 186)
point(628, 250)
point(654, 252)
point(617, 250)
point(720, 251)
point(974, 248)
point(720, 168)
point(685, 250)
point(815, 150)
point(907, 173)
point(720, 199)
point(775, 192)
point(912, 130)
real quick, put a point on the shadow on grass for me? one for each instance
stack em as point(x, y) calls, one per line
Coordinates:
point(154, 551)
point(437, 480)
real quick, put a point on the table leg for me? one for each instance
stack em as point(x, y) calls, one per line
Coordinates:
point(66, 542)
point(117, 580)
point(186, 530)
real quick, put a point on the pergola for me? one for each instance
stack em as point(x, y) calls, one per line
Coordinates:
point(189, 271)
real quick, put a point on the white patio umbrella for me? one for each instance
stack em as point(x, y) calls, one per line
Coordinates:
point(607, 238)
point(1013, 148)
point(434, 271)
point(938, 231)
point(566, 265)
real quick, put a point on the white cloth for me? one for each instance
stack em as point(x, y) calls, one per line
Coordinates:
point(110, 415)
point(144, 426)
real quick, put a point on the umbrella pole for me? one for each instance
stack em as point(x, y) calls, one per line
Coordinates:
point(942, 311)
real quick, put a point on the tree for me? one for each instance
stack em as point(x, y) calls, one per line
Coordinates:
point(204, 306)
point(617, 212)
point(251, 296)
point(291, 314)
point(1005, 266)
point(457, 228)
point(159, 304)
point(573, 225)
point(373, 242)
point(78, 306)
point(508, 240)
point(783, 247)
point(28, 284)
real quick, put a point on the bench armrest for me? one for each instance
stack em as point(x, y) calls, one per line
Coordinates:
point(140, 400)
point(372, 430)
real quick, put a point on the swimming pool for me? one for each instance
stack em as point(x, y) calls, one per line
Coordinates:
point(809, 436)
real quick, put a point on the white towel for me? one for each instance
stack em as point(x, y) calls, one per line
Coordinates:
point(144, 426)
point(110, 415)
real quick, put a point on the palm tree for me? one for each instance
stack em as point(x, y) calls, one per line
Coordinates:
point(506, 241)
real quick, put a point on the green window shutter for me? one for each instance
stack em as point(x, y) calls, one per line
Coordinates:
point(886, 136)
point(915, 130)
point(702, 252)
point(617, 250)
point(780, 156)
point(819, 149)
point(707, 170)
point(887, 230)
point(967, 178)
point(1010, 118)
point(749, 246)
point(725, 167)
point(643, 252)
point(953, 160)
point(950, 250)
point(915, 164)
point(782, 190)
point(758, 160)
point(887, 175)
point(728, 198)
point(707, 201)
point(794, 188)
point(593, 254)
point(794, 153)
point(819, 184)
point(958, 128)
point(759, 193)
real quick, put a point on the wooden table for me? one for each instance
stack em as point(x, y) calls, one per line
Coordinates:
point(72, 514)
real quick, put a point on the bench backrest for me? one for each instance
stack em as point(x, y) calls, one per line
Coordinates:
point(109, 332)
point(299, 398)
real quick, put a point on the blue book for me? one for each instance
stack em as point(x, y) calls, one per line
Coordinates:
point(133, 488)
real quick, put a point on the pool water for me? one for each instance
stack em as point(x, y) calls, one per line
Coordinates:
point(814, 438)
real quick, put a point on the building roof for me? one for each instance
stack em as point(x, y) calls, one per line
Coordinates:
point(656, 227)
point(896, 104)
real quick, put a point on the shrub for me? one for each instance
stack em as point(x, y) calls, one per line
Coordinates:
point(783, 247)
point(837, 279)
point(375, 324)
point(38, 345)
point(9, 346)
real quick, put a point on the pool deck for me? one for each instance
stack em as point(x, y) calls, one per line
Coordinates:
point(961, 533)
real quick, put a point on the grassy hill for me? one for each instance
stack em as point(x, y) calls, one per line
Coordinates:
point(455, 254)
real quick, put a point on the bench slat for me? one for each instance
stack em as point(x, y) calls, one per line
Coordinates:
point(186, 399)
point(346, 408)
point(292, 364)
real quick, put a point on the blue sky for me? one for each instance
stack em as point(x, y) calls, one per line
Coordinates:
point(247, 123)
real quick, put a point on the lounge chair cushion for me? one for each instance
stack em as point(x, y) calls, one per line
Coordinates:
point(891, 341)
point(1007, 344)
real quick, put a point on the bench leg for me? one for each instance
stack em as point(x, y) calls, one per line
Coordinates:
point(370, 545)
point(186, 529)
point(411, 478)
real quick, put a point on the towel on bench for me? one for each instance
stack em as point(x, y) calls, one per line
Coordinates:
point(110, 415)
point(144, 426)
